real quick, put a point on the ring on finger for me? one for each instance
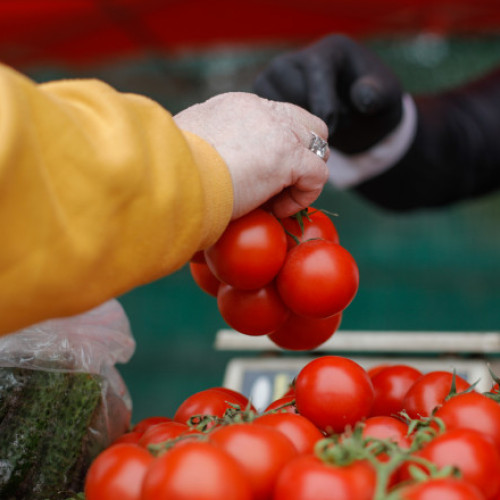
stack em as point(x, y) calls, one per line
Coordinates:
point(318, 146)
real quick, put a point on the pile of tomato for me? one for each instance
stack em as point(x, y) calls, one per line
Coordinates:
point(286, 278)
point(340, 433)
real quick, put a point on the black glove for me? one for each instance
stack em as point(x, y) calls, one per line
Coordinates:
point(343, 83)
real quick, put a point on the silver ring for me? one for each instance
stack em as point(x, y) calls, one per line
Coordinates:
point(318, 145)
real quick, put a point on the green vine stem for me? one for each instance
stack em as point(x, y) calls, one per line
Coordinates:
point(342, 450)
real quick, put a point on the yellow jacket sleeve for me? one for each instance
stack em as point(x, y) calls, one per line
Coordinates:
point(100, 192)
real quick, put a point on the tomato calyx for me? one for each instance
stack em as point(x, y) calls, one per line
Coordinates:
point(234, 414)
point(423, 430)
point(305, 213)
point(342, 450)
point(159, 449)
point(299, 217)
point(350, 447)
point(495, 396)
point(493, 392)
point(420, 475)
point(204, 424)
point(281, 408)
point(453, 388)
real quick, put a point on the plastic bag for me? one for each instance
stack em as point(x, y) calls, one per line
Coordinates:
point(62, 400)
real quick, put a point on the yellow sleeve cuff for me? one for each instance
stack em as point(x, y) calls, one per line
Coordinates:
point(217, 186)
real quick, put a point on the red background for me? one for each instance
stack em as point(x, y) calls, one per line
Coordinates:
point(80, 32)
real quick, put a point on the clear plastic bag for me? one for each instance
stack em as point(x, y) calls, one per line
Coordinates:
point(62, 400)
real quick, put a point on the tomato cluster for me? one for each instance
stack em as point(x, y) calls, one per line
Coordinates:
point(286, 278)
point(340, 433)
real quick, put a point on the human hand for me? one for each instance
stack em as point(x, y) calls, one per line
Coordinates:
point(265, 146)
point(343, 83)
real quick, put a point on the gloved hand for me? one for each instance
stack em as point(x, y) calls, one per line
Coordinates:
point(343, 83)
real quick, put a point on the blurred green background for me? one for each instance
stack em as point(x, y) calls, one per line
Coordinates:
point(428, 270)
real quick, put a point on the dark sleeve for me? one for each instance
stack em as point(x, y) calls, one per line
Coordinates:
point(455, 154)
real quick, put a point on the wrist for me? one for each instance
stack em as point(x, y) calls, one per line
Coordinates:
point(346, 171)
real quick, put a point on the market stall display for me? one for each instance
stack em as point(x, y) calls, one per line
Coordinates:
point(333, 439)
point(437, 291)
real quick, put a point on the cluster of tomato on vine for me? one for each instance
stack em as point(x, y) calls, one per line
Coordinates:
point(341, 433)
point(287, 278)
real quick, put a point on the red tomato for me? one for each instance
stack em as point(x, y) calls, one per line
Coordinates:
point(472, 411)
point(198, 256)
point(375, 369)
point(243, 401)
point(165, 431)
point(387, 428)
point(318, 279)
point(204, 278)
point(252, 312)
point(391, 385)
point(195, 471)
point(143, 424)
point(430, 391)
point(304, 334)
point(129, 437)
point(250, 252)
point(208, 402)
point(298, 429)
point(315, 225)
point(441, 489)
point(308, 478)
point(333, 392)
point(283, 405)
point(261, 452)
point(472, 453)
point(118, 472)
